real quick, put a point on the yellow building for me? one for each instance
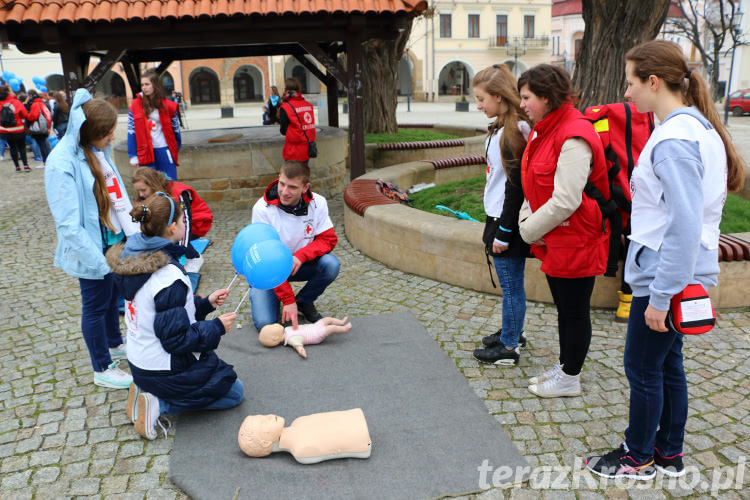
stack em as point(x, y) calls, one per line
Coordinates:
point(462, 37)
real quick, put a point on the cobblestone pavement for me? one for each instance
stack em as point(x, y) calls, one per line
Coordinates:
point(62, 436)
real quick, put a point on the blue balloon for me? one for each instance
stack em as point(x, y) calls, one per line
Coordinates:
point(42, 88)
point(38, 80)
point(6, 75)
point(252, 233)
point(267, 264)
point(15, 85)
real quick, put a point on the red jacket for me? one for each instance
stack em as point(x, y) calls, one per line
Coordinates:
point(20, 112)
point(145, 149)
point(38, 106)
point(200, 215)
point(295, 145)
point(579, 246)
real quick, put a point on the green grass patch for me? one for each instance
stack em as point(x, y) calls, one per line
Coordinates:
point(736, 215)
point(409, 135)
point(465, 196)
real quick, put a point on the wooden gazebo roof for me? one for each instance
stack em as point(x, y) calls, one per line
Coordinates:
point(134, 31)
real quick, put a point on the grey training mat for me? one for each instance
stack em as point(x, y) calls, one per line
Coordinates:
point(429, 431)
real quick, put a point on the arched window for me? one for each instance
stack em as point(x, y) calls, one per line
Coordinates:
point(248, 84)
point(204, 87)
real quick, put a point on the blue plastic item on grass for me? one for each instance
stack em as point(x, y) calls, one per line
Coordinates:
point(459, 215)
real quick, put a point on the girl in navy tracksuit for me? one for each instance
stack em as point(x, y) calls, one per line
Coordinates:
point(170, 346)
point(679, 187)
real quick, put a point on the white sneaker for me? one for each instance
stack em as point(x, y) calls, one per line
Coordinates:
point(147, 417)
point(131, 405)
point(546, 375)
point(113, 377)
point(118, 353)
point(559, 385)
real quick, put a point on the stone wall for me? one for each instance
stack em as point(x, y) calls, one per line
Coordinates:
point(234, 174)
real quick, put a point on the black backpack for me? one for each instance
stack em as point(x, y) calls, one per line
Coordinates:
point(8, 116)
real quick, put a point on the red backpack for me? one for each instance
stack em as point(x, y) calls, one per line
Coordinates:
point(624, 132)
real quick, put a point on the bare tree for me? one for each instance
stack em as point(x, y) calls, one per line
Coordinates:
point(612, 28)
point(709, 25)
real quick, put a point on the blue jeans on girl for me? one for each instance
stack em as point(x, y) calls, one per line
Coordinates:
point(658, 388)
point(100, 319)
point(229, 400)
point(510, 276)
point(163, 162)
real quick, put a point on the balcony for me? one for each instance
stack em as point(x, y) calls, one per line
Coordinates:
point(537, 43)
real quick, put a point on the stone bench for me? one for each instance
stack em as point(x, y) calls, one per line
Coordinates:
point(451, 250)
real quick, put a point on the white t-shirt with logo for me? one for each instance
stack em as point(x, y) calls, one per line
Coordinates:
point(295, 231)
point(154, 127)
point(119, 213)
point(494, 188)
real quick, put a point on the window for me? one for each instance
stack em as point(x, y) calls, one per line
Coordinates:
point(445, 25)
point(502, 30)
point(735, 95)
point(473, 25)
point(528, 26)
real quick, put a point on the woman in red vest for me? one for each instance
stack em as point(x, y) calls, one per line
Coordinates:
point(197, 216)
point(297, 119)
point(563, 225)
point(154, 128)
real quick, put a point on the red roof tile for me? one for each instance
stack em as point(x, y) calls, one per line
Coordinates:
point(55, 11)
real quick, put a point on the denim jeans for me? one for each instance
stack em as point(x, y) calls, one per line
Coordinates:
point(228, 400)
point(44, 146)
point(658, 388)
point(510, 276)
point(163, 162)
point(319, 273)
point(100, 319)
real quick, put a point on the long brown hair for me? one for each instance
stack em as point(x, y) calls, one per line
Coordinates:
point(153, 101)
point(665, 60)
point(101, 118)
point(155, 180)
point(498, 81)
point(59, 98)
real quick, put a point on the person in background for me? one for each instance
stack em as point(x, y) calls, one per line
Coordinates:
point(15, 134)
point(37, 109)
point(153, 128)
point(297, 122)
point(60, 114)
point(274, 102)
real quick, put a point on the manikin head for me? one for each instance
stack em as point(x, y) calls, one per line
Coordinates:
point(258, 433)
point(271, 335)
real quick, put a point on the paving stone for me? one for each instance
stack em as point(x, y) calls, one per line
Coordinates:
point(45, 475)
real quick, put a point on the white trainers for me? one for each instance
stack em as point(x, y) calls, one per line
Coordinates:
point(546, 375)
point(131, 405)
point(113, 377)
point(118, 353)
point(558, 385)
point(147, 409)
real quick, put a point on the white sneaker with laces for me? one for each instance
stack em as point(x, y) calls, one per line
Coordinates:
point(113, 377)
point(118, 353)
point(559, 385)
point(147, 419)
point(544, 376)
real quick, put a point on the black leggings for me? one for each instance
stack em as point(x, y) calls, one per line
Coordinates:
point(572, 297)
point(17, 146)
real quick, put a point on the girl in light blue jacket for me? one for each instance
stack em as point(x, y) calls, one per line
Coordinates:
point(88, 201)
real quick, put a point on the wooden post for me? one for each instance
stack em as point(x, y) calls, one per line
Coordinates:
point(333, 96)
point(355, 89)
point(133, 71)
point(101, 69)
point(75, 65)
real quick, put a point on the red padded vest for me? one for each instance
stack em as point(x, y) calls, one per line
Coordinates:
point(143, 136)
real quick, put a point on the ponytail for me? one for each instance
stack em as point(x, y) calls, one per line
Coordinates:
point(101, 118)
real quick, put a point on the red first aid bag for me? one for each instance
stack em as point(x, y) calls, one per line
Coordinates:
point(691, 311)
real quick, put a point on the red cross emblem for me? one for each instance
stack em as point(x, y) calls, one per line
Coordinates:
point(488, 169)
point(308, 229)
point(150, 124)
point(115, 188)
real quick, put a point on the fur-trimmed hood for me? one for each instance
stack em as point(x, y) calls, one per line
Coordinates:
point(131, 273)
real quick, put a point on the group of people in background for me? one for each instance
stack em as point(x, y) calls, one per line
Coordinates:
point(541, 152)
point(31, 119)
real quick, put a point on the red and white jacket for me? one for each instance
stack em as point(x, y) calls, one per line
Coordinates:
point(37, 107)
point(20, 112)
point(307, 230)
point(144, 146)
point(296, 145)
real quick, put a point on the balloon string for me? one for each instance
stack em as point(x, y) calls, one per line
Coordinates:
point(229, 287)
point(242, 300)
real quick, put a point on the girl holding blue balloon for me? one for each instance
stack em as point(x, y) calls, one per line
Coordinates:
point(12, 129)
point(170, 344)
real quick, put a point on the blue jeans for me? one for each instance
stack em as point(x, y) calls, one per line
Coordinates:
point(163, 162)
point(34, 148)
point(43, 144)
point(510, 276)
point(100, 319)
point(228, 400)
point(658, 388)
point(319, 273)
